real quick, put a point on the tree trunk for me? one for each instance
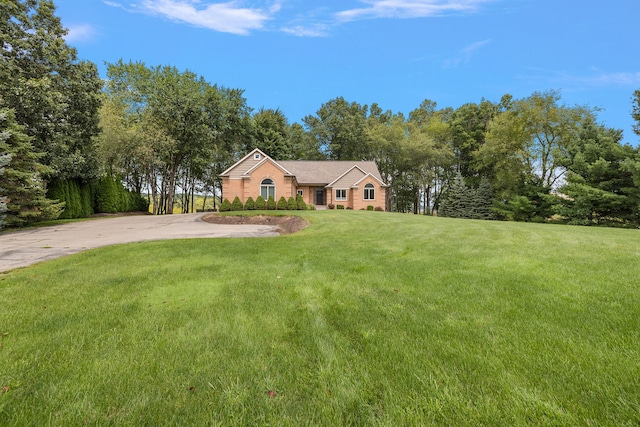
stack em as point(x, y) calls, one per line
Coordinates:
point(171, 190)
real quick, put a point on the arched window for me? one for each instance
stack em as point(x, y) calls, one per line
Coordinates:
point(268, 188)
point(369, 192)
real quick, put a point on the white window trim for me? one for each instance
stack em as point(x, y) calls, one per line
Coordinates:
point(341, 199)
point(300, 192)
point(256, 156)
point(267, 186)
point(365, 192)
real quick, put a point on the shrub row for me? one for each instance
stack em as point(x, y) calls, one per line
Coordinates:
point(105, 195)
point(261, 204)
point(369, 207)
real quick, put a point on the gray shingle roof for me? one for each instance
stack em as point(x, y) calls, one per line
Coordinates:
point(325, 171)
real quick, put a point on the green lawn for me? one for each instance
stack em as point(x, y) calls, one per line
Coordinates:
point(364, 318)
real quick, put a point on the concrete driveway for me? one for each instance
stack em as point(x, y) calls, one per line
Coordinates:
point(23, 248)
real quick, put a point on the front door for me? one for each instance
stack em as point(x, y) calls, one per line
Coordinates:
point(320, 198)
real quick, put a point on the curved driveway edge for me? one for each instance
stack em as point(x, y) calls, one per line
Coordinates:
point(24, 248)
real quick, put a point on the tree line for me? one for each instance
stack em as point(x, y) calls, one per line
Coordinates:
point(66, 136)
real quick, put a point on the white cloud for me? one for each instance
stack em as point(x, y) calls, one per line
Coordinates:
point(316, 30)
point(113, 4)
point(80, 33)
point(595, 79)
point(234, 17)
point(609, 79)
point(466, 54)
point(408, 8)
point(226, 17)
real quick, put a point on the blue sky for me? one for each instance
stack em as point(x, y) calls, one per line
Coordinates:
point(296, 55)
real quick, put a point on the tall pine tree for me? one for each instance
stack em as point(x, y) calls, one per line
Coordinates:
point(458, 202)
point(22, 181)
point(463, 201)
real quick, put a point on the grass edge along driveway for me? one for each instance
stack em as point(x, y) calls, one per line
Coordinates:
point(364, 318)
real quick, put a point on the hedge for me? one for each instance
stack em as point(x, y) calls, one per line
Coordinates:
point(104, 195)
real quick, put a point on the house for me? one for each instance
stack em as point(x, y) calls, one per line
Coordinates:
point(353, 184)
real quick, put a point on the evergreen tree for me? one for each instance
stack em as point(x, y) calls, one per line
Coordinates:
point(282, 204)
point(260, 204)
point(482, 200)
point(236, 205)
point(602, 181)
point(22, 177)
point(463, 201)
point(459, 200)
point(291, 204)
point(271, 204)
point(300, 204)
point(250, 204)
point(225, 206)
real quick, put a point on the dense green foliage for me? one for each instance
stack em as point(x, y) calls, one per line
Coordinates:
point(163, 127)
point(4, 161)
point(463, 201)
point(250, 204)
point(236, 205)
point(271, 204)
point(291, 204)
point(282, 204)
point(261, 204)
point(601, 183)
point(78, 197)
point(104, 195)
point(300, 204)
point(636, 111)
point(271, 134)
point(225, 206)
point(514, 324)
point(55, 97)
point(23, 193)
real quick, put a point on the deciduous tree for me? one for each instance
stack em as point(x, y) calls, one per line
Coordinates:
point(340, 129)
point(54, 96)
point(271, 134)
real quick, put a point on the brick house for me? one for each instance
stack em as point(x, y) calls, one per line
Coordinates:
point(354, 184)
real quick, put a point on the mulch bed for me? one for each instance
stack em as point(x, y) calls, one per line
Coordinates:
point(285, 224)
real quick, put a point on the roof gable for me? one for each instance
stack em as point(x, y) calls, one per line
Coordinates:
point(349, 178)
point(265, 160)
point(372, 176)
point(243, 167)
point(244, 164)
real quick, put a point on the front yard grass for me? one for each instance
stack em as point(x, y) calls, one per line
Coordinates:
point(363, 318)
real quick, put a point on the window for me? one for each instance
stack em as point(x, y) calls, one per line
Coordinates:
point(256, 156)
point(369, 192)
point(300, 193)
point(268, 188)
point(341, 194)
